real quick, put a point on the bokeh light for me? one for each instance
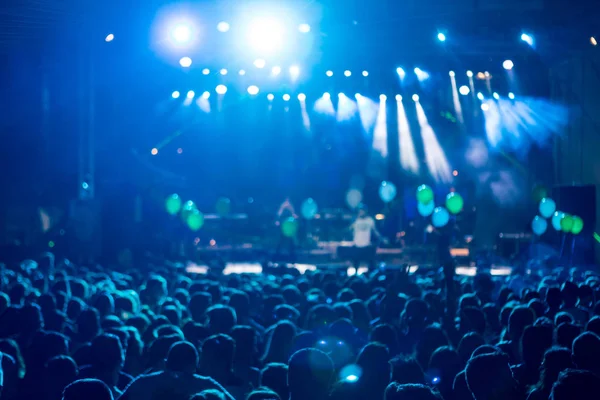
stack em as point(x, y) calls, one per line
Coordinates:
point(154, 151)
point(205, 71)
point(221, 89)
point(304, 28)
point(508, 65)
point(329, 73)
point(223, 26)
point(190, 94)
point(441, 37)
point(347, 73)
point(253, 90)
point(175, 94)
point(185, 62)
point(109, 38)
point(286, 97)
point(260, 63)
point(464, 90)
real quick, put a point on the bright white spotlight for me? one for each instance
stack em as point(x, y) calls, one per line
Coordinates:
point(400, 72)
point(496, 96)
point(221, 89)
point(341, 94)
point(415, 97)
point(398, 97)
point(304, 28)
point(464, 90)
point(421, 75)
point(329, 73)
point(593, 41)
point(223, 71)
point(206, 95)
point(382, 97)
point(175, 94)
point(365, 73)
point(470, 74)
point(205, 71)
point(185, 62)
point(527, 39)
point(270, 96)
point(441, 37)
point(294, 71)
point(485, 107)
point(347, 73)
point(181, 33)
point(480, 96)
point(253, 90)
point(276, 70)
point(511, 96)
point(265, 34)
point(357, 96)
point(508, 65)
point(286, 97)
point(259, 63)
point(109, 38)
point(190, 94)
point(223, 26)
point(451, 73)
point(326, 96)
point(242, 72)
point(418, 70)
point(302, 97)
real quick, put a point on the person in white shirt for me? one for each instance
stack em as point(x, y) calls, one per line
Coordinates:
point(363, 229)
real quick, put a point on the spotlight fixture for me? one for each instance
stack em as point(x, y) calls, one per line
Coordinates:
point(276, 70)
point(205, 71)
point(221, 89)
point(485, 107)
point(190, 94)
point(464, 90)
point(326, 96)
point(223, 71)
point(294, 71)
point(415, 97)
point(185, 62)
point(329, 73)
point(398, 97)
point(286, 97)
point(223, 26)
point(511, 96)
point(253, 90)
point(508, 65)
point(382, 97)
point(270, 96)
point(365, 73)
point(469, 74)
point(302, 97)
point(260, 63)
point(441, 37)
point(206, 95)
point(154, 151)
point(109, 38)
point(480, 96)
point(181, 34)
point(496, 96)
point(527, 39)
point(175, 94)
point(451, 73)
point(347, 73)
point(304, 28)
point(401, 73)
point(593, 41)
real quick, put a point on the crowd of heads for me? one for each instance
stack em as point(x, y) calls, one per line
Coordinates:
point(156, 332)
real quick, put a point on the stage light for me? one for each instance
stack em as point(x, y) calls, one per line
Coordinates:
point(304, 28)
point(326, 96)
point(441, 37)
point(451, 73)
point(206, 95)
point(175, 94)
point(223, 71)
point(109, 38)
point(480, 96)
point(185, 62)
point(253, 90)
point(286, 97)
point(259, 63)
point(205, 71)
point(347, 73)
point(270, 96)
point(480, 76)
point(302, 97)
point(487, 74)
point(190, 94)
point(223, 26)
point(469, 74)
point(329, 73)
point(351, 378)
point(221, 89)
point(180, 151)
point(511, 96)
point(276, 70)
point(357, 96)
point(181, 33)
point(496, 96)
point(242, 72)
point(398, 97)
point(485, 107)
point(340, 95)
point(527, 39)
point(294, 71)
point(415, 97)
point(421, 75)
point(464, 90)
point(154, 151)
point(382, 97)
point(455, 173)
point(265, 34)
point(508, 65)
point(418, 70)
point(593, 41)
point(365, 73)
point(401, 73)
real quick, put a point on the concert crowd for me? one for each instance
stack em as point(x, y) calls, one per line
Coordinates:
point(154, 332)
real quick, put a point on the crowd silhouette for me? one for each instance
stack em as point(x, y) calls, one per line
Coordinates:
point(87, 332)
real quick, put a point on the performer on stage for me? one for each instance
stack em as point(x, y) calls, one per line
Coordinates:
point(363, 228)
point(286, 210)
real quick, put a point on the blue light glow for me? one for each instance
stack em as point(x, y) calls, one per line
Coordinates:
point(304, 28)
point(527, 39)
point(181, 33)
point(175, 94)
point(441, 37)
point(109, 38)
point(223, 26)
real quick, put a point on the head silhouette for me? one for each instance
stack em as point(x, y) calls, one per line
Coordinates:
point(489, 377)
point(87, 389)
point(576, 384)
point(314, 366)
point(182, 357)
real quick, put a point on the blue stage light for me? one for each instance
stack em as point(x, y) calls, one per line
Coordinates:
point(175, 94)
point(441, 37)
point(181, 33)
